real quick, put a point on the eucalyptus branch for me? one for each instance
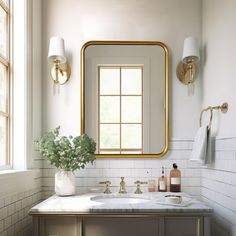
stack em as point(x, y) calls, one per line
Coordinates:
point(67, 153)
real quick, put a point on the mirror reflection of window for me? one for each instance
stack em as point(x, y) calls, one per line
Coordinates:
point(120, 105)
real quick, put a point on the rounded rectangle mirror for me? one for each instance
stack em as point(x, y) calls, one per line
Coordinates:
point(125, 97)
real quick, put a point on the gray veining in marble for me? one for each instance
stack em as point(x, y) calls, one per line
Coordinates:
point(83, 204)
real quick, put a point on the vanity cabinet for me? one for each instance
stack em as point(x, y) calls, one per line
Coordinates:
point(81, 215)
point(58, 226)
point(183, 226)
point(117, 225)
point(120, 226)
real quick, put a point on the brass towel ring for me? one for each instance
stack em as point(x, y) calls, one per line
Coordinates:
point(210, 121)
point(223, 108)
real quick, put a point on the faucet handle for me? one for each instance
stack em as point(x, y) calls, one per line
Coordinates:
point(138, 190)
point(107, 186)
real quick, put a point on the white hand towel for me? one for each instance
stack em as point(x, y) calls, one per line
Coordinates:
point(200, 145)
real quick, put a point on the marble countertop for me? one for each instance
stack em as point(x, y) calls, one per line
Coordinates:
point(83, 204)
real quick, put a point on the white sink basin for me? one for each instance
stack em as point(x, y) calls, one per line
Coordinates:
point(119, 199)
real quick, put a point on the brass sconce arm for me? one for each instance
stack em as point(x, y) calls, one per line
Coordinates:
point(60, 73)
point(186, 73)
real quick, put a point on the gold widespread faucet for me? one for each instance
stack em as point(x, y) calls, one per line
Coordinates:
point(107, 186)
point(122, 186)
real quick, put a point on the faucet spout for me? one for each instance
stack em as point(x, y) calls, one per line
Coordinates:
point(122, 186)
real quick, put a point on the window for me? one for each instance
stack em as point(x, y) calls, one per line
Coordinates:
point(4, 82)
point(120, 105)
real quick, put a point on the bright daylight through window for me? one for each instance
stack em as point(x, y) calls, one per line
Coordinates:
point(120, 104)
point(4, 82)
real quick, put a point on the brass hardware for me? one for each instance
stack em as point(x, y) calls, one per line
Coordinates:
point(223, 108)
point(186, 73)
point(183, 70)
point(107, 186)
point(138, 190)
point(60, 73)
point(82, 94)
point(122, 186)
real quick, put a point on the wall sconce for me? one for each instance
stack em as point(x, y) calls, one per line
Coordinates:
point(60, 70)
point(186, 69)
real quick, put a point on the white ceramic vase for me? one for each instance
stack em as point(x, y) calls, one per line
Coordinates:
point(64, 183)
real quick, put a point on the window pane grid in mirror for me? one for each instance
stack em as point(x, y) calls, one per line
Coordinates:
point(109, 109)
point(131, 81)
point(131, 109)
point(109, 83)
point(131, 136)
point(120, 107)
point(109, 135)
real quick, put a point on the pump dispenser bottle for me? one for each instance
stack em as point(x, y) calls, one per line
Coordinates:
point(175, 179)
point(162, 182)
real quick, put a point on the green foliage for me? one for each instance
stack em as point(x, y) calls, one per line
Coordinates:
point(67, 153)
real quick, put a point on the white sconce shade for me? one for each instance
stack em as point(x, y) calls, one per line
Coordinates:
point(191, 50)
point(57, 50)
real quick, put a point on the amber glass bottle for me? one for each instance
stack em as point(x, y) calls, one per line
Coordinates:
point(162, 182)
point(175, 179)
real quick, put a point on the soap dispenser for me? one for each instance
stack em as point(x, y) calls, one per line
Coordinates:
point(175, 179)
point(162, 182)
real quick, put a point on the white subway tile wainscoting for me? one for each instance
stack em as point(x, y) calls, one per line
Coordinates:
point(132, 170)
point(218, 187)
point(14, 209)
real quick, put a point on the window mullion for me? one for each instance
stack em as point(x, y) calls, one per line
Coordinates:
point(4, 114)
point(4, 61)
point(4, 6)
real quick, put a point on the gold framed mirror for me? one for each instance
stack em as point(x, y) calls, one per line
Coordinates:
point(125, 97)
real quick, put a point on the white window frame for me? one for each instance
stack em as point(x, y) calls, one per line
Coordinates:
point(21, 142)
point(6, 62)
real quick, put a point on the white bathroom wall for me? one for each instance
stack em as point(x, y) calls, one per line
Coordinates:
point(219, 81)
point(78, 21)
point(218, 180)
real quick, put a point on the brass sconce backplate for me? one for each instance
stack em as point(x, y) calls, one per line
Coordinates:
point(63, 73)
point(182, 70)
point(224, 107)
